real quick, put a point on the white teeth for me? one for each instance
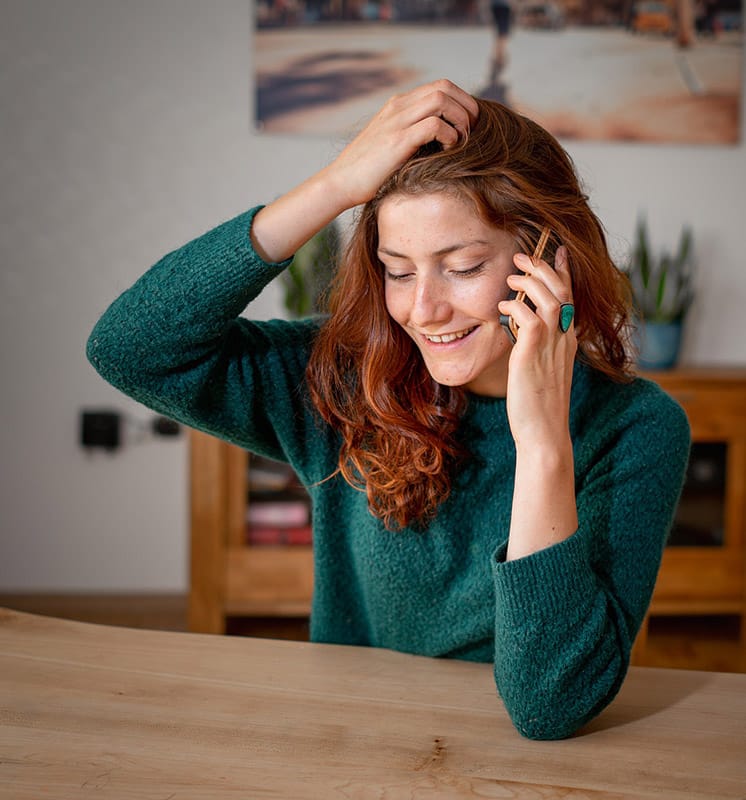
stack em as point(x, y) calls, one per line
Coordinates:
point(448, 337)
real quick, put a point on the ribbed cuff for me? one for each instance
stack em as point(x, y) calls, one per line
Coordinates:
point(544, 585)
point(228, 249)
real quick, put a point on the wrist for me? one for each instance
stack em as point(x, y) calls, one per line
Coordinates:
point(544, 508)
point(550, 453)
point(282, 226)
point(339, 187)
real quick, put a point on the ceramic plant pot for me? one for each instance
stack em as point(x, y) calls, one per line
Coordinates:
point(658, 344)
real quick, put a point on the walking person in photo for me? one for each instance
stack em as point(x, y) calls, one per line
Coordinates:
point(502, 18)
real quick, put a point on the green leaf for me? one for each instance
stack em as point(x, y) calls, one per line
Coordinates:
point(660, 294)
point(311, 271)
point(643, 251)
point(685, 244)
point(661, 285)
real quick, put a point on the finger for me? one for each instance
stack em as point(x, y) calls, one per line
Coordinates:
point(548, 306)
point(445, 92)
point(441, 100)
point(463, 97)
point(557, 282)
point(529, 325)
point(537, 288)
point(460, 108)
point(562, 267)
point(429, 129)
point(534, 330)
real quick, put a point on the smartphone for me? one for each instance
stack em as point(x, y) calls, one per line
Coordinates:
point(507, 321)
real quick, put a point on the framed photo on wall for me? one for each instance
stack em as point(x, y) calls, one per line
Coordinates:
point(664, 71)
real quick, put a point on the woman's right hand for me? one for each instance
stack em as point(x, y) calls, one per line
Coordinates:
point(435, 111)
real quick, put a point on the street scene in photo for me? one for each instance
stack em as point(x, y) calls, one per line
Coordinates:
point(615, 71)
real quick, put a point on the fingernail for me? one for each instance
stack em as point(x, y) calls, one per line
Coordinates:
point(522, 260)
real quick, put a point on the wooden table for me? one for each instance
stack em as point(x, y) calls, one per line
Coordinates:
point(102, 712)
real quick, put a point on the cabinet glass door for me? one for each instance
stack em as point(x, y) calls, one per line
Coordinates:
point(700, 517)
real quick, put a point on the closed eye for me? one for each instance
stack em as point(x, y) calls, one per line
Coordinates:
point(398, 276)
point(465, 273)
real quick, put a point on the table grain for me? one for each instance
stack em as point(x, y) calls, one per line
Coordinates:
point(103, 712)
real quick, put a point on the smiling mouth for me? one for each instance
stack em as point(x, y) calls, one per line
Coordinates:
point(445, 338)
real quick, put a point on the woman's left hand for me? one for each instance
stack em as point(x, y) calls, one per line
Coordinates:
point(541, 363)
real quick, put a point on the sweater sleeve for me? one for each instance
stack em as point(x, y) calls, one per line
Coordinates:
point(175, 342)
point(567, 616)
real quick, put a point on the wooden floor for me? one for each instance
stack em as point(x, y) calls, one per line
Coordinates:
point(707, 643)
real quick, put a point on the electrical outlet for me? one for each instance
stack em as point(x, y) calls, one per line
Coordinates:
point(163, 426)
point(100, 429)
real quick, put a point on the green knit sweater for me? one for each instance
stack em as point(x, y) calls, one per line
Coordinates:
point(558, 625)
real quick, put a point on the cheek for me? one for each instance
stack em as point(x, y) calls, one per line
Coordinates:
point(482, 299)
point(500, 290)
point(396, 304)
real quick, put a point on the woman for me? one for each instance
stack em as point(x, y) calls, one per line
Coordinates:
point(515, 497)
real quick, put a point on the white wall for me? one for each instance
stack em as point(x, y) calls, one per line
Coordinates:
point(125, 130)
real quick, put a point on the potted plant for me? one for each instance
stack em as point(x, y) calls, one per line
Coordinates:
point(307, 278)
point(662, 291)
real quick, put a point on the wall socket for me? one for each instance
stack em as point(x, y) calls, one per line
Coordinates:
point(104, 429)
point(101, 429)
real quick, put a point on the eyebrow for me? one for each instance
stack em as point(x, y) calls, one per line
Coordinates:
point(444, 251)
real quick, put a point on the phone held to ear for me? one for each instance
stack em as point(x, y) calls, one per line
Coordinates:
point(507, 321)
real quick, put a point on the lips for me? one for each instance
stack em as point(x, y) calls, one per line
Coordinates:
point(445, 338)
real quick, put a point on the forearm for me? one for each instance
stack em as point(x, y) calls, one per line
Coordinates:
point(562, 641)
point(567, 615)
point(176, 342)
point(544, 507)
point(283, 226)
point(173, 320)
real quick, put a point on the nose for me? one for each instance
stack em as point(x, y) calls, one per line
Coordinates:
point(430, 303)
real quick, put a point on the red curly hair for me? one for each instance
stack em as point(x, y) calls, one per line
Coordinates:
point(366, 376)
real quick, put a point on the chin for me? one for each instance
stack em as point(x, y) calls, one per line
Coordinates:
point(453, 380)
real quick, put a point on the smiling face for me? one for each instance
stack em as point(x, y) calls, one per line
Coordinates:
point(444, 272)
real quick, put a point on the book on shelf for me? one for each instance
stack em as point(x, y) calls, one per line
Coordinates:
point(278, 510)
point(265, 475)
point(300, 535)
point(278, 513)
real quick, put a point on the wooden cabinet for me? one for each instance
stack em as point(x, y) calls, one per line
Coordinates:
point(229, 578)
point(708, 579)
